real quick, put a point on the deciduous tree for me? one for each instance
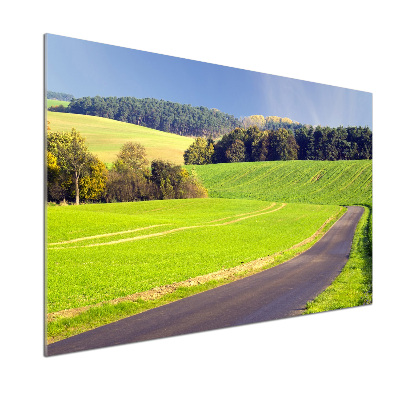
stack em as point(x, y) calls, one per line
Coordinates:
point(132, 156)
point(93, 184)
point(199, 152)
point(73, 157)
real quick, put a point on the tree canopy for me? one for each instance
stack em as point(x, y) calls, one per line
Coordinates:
point(270, 123)
point(325, 143)
point(132, 156)
point(252, 144)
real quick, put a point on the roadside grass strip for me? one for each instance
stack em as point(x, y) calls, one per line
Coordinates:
point(353, 286)
point(89, 287)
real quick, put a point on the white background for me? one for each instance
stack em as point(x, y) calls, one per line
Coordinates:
point(347, 354)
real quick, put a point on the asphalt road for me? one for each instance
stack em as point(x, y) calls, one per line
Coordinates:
point(276, 293)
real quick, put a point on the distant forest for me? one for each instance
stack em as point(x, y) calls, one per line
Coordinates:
point(181, 119)
point(167, 116)
point(59, 96)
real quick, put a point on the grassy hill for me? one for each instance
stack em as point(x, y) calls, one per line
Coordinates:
point(317, 182)
point(105, 137)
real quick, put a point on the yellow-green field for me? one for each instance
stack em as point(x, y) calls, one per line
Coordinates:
point(105, 137)
point(52, 103)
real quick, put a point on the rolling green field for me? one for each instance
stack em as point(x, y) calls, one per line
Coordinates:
point(102, 252)
point(316, 182)
point(105, 137)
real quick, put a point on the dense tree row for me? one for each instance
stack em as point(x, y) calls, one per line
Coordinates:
point(243, 145)
point(59, 96)
point(74, 174)
point(166, 116)
point(325, 143)
point(307, 143)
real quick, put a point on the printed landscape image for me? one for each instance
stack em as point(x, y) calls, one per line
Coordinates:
point(184, 196)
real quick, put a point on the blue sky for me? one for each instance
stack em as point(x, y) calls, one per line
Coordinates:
point(84, 68)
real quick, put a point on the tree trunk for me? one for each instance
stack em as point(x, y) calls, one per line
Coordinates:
point(77, 189)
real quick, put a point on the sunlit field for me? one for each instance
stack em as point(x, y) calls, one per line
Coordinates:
point(105, 137)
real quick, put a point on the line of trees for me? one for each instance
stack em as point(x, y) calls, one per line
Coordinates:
point(306, 143)
point(325, 143)
point(167, 116)
point(75, 174)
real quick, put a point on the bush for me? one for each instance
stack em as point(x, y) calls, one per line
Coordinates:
point(128, 186)
point(174, 182)
point(164, 181)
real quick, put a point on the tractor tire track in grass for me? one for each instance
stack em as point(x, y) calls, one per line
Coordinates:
point(151, 235)
point(105, 235)
point(240, 215)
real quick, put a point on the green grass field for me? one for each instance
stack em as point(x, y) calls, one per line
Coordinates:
point(105, 137)
point(102, 252)
point(83, 269)
point(317, 182)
